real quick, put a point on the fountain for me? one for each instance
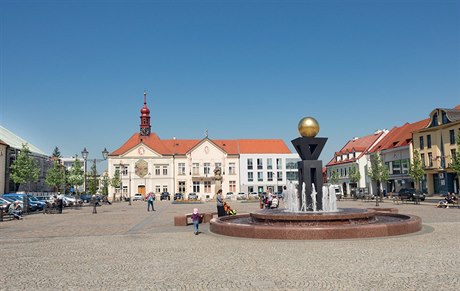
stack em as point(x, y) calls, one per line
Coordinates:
point(311, 212)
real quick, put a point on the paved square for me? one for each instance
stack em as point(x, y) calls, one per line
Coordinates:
point(127, 248)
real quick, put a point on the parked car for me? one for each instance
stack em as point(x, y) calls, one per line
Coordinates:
point(4, 204)
point(241, 196)
point(253, 195)
point(410, 194)
point(33, 205)
point(165, 196)
point(229, 195)
point(338, 191)
point(138, 197)
point(86, 197)
point(192, 196)
point(178, 196)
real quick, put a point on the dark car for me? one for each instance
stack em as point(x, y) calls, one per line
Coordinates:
point(165, 196)
point(178, 196)
point(410, 194)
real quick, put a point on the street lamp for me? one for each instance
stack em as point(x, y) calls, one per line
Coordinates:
point(85, 154)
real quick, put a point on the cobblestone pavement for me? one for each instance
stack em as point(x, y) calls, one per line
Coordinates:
point(127, 248)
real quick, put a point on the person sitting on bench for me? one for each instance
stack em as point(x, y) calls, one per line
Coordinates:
point(15, 210)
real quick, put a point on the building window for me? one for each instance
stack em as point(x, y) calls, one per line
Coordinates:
point(232, 185)
point(249, 164)
point(165, 188)
point(341, 172)
point(218, 166)
point(157, 170)
point(270, 176)
point(250, 189)
point(428, 141)
point(452, 136)
point(405, 166)
point(196, 186)
point(453, 153)
point(157, 188)
point(269, 164)
point(250, 177)
point(195, 168)
point(207, 186)
point(422, 143)
point(165, 170)
point(279, 164)
point(259, 164)
point(280, 176)
point(292, 176)
point(434, 121)
point(444, 118)
point(231, 169)
point(182, 186)
point(430, 159)
point(207, 168)
point(291, 164)
point(260, 176)
point(396, 167)
point(422, 158)
point(181, 169)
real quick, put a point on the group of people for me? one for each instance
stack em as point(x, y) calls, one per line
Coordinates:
point(449, 199)
point(269, 201)
point(55, 203)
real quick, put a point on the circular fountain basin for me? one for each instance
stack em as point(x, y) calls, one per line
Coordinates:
point(345, 223)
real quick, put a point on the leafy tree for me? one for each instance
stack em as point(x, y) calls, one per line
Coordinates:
point(93, 185)
point(334, 178)
point(456, 159)
point(378, 172)
point(354, 174)
point(55, 177)
point(24, 169)
point(115, 182)
point(105, 184)
point(76, 175)
point(56, 153)
point(416, 171)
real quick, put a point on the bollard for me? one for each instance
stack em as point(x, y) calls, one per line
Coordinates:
point(1, 213)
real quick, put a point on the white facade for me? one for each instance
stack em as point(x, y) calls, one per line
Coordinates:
point(262, 171)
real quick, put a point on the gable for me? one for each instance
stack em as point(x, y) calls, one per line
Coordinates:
point(141, 151)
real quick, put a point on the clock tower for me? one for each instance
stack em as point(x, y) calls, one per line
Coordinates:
point(145, 118)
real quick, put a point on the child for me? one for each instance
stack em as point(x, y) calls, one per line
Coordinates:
point(196, 220)
point(229, 210)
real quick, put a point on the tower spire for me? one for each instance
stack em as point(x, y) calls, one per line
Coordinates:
point(145, 118)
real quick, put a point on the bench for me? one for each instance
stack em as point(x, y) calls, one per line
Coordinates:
point(5, 215)
point(186, 219)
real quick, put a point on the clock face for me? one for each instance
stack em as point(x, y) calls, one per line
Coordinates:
point(145, 131)
point(141, 168)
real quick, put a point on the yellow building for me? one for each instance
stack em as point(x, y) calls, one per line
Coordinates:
point(437, 146)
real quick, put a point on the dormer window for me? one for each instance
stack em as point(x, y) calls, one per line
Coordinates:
point(444, 118)
point(434, 120)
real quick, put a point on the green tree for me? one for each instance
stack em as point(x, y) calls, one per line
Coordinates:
point(24, 169)
point(456, 159)
point(378, 172)
point(115, 182)
point(416, 171)
point(354, 174)
point(93, 185)
point(334, 177)
point(76, 175)
point(55, 177)
point(105, 184)
point(56, 153)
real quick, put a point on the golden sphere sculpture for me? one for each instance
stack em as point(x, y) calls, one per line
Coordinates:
point(308, 127)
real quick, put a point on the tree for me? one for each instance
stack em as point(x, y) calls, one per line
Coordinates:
point(24, 169)
point(56, 153)
point(456, 159)
point(55, 177)
point(105, 185)
point(93, 180)
point(76, 175)
point(416, 171)
point(378, 172)
point(116, 182)
point(354, 174)
point(334, 177)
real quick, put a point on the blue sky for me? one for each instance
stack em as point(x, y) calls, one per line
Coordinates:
point(72, 73)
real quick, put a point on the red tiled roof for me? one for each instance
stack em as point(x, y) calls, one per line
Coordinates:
point(399, 136)
point(361, 144)
point(171, 146)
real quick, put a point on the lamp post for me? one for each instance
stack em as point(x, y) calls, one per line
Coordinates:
point(85, 154)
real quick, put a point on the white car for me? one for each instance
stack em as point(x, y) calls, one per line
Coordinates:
point(241, 196)
point(229, 195)
point(253, 195)
point(138, 197)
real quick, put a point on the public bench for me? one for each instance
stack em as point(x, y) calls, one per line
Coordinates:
point(186, 219)
point(4, 215)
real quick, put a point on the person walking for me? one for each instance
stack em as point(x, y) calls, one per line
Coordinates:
point(150, 199)
point(94, 202)
point(220, 204)
point(196, 220)
point(60, 202)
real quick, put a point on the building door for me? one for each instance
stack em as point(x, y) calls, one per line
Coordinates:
point(141, 190)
